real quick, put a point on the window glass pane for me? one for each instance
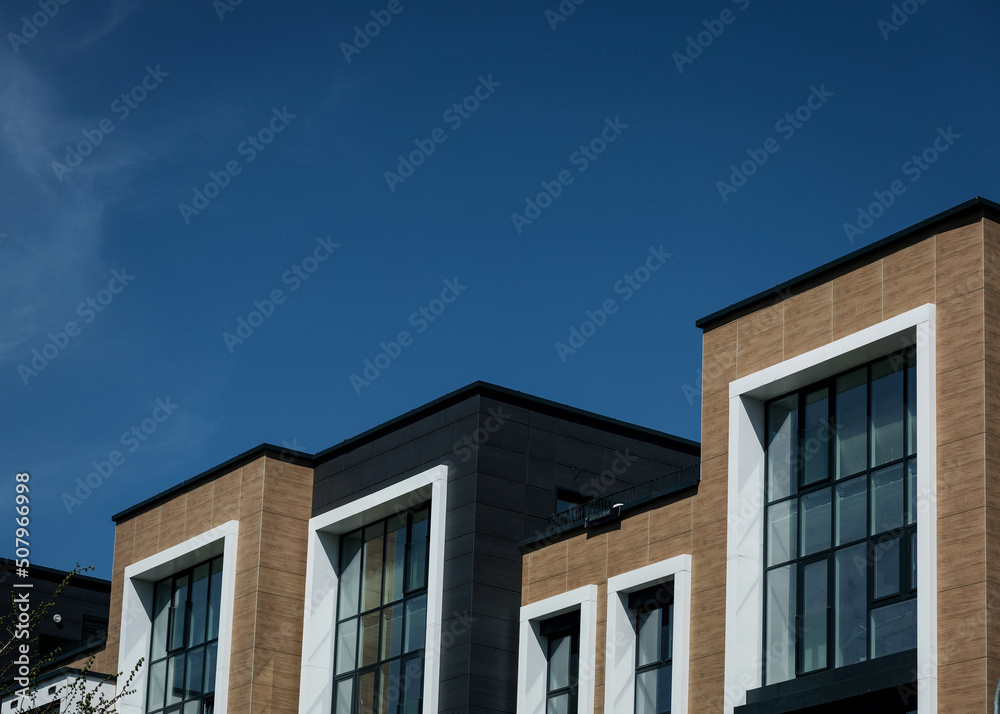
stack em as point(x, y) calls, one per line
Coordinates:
point(852, 423)
point(412, 685)
point(392, 631)
point(558, 704)
point(192, 707)
point(366, 693)
point(157, 683)
point(782, 532)
point(371, 592)
point(663, 683)
point(199, 605)
point(851, 503)
point(343, 700)
point(649, 631)
point(350, 575)
point(416, 623)
point(783, 415)
point(911, 487)
point(347, 646)
point(211, 664)
point(175, 679)
point(887, 410)
point(161, 619)
point(814, 617)
point(887, 499)
point(911, 409)
point(395, 558)
point(646, 692)
point(214, 598)
point(851, 614)
point(780, 635)
point(815, 456)
point(894, 628)
point(178, 626)
point(913, 560)
point(560, 651)
point(195, 670)
point(815, 522)
point(669, 628)
point(885, 555)
point(369, 638)
point(388, 687)
point(416, 574)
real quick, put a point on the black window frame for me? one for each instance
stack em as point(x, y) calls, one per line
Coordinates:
point(555, 628)
point(656, 597)
point(905, 533)
point(206, 700)
point(405, 659)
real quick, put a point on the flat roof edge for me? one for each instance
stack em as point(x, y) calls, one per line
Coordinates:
point(979, 205)
point(276, 452)
point(479, 388)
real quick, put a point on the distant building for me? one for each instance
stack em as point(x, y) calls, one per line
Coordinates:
point(74, 627)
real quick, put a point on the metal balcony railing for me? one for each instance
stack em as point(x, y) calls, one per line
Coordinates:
point(603, 507)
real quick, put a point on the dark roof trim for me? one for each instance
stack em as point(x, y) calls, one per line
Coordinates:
point(290, 456)
point(484, 389)
point(976, 208)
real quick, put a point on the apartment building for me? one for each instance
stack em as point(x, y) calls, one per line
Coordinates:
point(830, 546)
point(383, 574)
point(840, 551)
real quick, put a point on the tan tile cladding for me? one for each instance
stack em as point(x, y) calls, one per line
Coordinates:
point(273, 502)
point(649, 536)
point(959, 270)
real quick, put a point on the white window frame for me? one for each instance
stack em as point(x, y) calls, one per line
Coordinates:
point(137, 608)
point(532, 660)
point(319, 631)
point(619, 663)
point(745, 556)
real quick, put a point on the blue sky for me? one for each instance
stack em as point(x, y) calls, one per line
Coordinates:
point(626, 119)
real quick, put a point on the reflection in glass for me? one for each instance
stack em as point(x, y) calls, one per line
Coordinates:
point(782, 532)
point(781, 614)
point(887, 410)
point(851, 610)
point(887, 499)
point(894, 628)
point(815, 522)
point(815, 455)
point(783, 415)
point(851, 503)
point(812, 642)
point(852, 423)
